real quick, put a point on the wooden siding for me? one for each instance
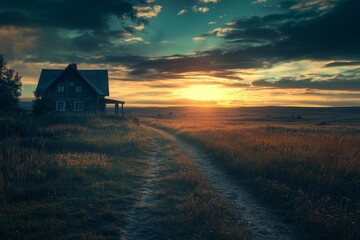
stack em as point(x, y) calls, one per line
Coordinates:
point(92, 102)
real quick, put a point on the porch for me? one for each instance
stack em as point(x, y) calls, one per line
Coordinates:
point(116, 103)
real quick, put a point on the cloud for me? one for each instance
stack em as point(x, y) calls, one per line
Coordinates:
point(147, 11)
point(200, 9)
point(140, 27)
point(342, 64)
point(219, 32)
point(166, 42)
point(212, 23)
point(182, 12)
point(209, 1)
point(249, 44)
point(198, 38)
point(290, 82)
point(297, 35)
point(321, 5)
point(15, 40)
point(134, 39)
point(55, 32)
point(81, 15)
point(260, 1)
point(230, 24)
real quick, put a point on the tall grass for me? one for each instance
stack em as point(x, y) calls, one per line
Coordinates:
point(312, 173)
point(58, 172)
point(189, 207)
point(72, 176)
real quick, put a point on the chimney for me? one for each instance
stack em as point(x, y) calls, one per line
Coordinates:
point(74, 65)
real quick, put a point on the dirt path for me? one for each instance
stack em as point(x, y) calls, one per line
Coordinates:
point(261, 220)
point(141, 215)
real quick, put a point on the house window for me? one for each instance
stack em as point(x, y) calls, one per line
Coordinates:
point(60, 89)
point(71, 84)
point(78, 106)
point(60, 106)
point(78, 89)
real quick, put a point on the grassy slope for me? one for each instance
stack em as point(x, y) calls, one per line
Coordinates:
point(71, 176)
point(311, 173)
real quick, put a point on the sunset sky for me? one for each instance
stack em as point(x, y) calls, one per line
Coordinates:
point(194, 52)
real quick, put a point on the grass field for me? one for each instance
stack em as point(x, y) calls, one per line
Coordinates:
point(65, 176)
point(79, 177)
point(307, 165)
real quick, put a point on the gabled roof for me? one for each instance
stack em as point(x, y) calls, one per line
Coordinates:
point(97, 79)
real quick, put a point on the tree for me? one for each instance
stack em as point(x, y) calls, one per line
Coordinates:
point(10, 87)
point(41, 104)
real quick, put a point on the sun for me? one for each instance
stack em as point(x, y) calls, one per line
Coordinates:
point(203, 93)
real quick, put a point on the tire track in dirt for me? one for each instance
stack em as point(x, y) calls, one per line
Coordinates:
point(262, 221)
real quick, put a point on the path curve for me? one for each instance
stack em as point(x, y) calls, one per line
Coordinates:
point(262, 221)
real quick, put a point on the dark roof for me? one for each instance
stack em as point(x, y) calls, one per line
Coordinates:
point(97, 79)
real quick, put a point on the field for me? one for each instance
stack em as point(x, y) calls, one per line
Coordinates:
point(72, 176)
point(304, 162)
point(99, 177)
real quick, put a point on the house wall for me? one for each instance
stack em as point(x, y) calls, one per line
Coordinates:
point(91, 101)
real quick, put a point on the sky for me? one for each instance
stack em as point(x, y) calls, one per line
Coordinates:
point(220, 53)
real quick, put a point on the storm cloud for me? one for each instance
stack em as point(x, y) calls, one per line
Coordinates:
point(261, 42)
point(128, 35)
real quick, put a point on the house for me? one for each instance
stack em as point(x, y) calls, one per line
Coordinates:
point(74, 90)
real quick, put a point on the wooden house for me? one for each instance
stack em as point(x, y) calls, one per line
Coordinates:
point(73, 90)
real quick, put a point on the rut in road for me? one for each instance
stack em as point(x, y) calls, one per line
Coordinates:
point(262, 221)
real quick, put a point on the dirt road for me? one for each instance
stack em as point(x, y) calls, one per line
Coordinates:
point(262, 221)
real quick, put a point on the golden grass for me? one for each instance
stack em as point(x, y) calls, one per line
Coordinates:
point(199, 214)
point(312, 172)
point(83, 160)
point(77, 177)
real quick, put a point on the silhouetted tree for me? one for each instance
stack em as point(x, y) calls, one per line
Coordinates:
point(41, 104)
point(10, 87)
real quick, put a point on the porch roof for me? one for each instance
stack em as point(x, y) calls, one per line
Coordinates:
point(113, 101)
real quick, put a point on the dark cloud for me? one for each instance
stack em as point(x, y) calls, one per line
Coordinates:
point(260, 42)
point(67, 31)
point(289, 82)
point(342, 64)
point(311, 92)
point(67, 14)
point(331, 35)
point(287, 4)
point(78, 31)
point(297, 35)
point(254, 35)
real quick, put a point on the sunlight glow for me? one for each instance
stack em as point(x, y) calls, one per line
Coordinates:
point(204, 93)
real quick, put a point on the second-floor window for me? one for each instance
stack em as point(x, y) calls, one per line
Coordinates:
point(78, 89)
point(60, 89)
point(71, 84)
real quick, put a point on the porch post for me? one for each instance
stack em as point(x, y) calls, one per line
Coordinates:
point(116, 108)
point(122, 110)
